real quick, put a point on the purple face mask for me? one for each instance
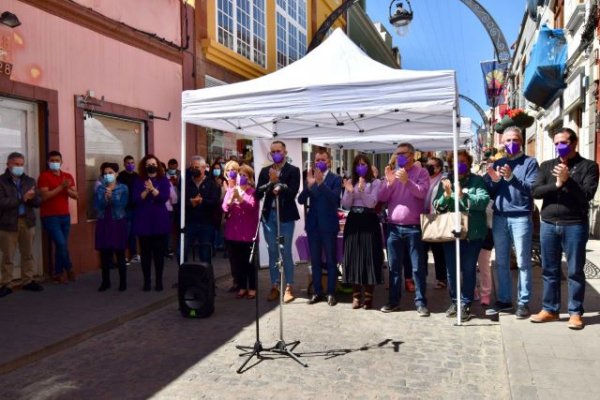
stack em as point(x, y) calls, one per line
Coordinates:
point(277, 157)
point(243, 180)
point(401, 161)
point(322, 165)
point(462, 168)
point(232, 174)
point(361, 170)
point(512, 148)
point(130, 167)
point(563, 149)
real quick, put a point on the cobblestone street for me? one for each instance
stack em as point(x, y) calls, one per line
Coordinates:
point(351, 354)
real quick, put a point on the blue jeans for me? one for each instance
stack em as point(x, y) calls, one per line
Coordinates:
point(287, 232)
point(58, 228)
point(319, 241)
point(572, 240)
point(402, 240)
point(469, 252)
point(203, 233)
point(517, 231)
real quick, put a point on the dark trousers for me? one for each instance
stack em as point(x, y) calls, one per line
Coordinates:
point(439, 260)
point(241, 267)
point(106, 260)
point(323, 242)
point(152, 248)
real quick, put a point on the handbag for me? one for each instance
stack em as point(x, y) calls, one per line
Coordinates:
point(437, 228)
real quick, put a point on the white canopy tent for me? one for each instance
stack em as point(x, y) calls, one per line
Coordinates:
point(336, 91)
point(431, 141)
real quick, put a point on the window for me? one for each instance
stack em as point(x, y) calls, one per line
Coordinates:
point(241, 27)
point(108, 139)
point(291, 31)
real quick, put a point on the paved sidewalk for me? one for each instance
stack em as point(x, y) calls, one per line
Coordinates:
point(39, 324)
point(351, 353)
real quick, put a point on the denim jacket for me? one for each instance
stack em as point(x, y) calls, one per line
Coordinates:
point(118, 202)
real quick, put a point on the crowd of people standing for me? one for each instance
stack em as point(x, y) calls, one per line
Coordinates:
point(138, 207)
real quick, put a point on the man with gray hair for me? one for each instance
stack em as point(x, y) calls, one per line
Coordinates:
point(202, 197)
point(510, 181)
point(18, 198)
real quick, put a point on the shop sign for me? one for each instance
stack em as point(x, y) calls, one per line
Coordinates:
point(553, 112)
point(573, 94)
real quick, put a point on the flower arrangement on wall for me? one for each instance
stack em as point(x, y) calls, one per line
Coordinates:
point(514, 117)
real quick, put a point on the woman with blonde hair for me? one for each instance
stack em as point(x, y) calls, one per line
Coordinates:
point(241, 221)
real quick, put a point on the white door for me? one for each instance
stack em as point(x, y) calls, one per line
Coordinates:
point(19, 132)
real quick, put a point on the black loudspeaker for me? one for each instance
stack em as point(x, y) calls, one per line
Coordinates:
point(196, 290)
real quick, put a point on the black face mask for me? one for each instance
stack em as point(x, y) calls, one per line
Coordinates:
point(430, 169)
point(195, 173)
point(151, 169)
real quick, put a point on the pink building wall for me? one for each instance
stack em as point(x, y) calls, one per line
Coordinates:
point(50, 52)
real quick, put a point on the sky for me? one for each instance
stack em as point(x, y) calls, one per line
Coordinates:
point(446, 34)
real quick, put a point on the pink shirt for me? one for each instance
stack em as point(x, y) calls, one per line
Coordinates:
point(368, 198)
point(241, 219)
point(406, 200)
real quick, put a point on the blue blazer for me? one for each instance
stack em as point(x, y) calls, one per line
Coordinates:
point(323, 205)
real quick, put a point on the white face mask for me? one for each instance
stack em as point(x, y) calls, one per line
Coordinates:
point(54, 166)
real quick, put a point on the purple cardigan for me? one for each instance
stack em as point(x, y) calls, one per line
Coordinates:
point(242, 218)
point(150, 215)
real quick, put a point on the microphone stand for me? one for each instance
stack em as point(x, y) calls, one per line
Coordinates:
point(281, 347)
point(257, 348)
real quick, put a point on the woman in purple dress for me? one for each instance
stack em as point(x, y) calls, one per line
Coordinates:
point(150, 217)
point(110, 200)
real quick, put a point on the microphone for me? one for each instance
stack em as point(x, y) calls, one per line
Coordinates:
point(278, 188)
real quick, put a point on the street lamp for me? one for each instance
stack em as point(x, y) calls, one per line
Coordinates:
point(9, 19)
point(401, 18)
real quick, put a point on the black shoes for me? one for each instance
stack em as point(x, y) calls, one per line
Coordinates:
point(423, 311)
point(522, 311)
point(316, 298)
point(104, 286)
point(465, 312)
point(451, 311)
point(390, 308)
point(499, 307)
point(5, 291)
point(331, 300)
point(33, 286)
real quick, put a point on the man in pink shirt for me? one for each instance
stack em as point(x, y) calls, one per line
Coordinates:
point(406, 186)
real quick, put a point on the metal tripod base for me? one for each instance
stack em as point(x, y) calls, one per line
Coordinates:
point(250, 351)
point(287, 350)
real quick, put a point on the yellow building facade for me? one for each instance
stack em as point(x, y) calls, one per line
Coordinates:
point(248, 41)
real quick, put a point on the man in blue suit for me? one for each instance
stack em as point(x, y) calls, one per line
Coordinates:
point(323, 188)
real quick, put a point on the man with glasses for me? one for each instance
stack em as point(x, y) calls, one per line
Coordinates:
point(279, 181)
point(509, 181)
point(567, 184)
point(405, 190)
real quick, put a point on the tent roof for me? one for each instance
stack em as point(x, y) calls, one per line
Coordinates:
point(334, 91)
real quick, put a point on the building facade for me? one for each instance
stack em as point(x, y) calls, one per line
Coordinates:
point(575, 103)
point(95, 80)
